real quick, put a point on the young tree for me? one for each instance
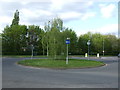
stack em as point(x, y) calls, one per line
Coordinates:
point(55, 37)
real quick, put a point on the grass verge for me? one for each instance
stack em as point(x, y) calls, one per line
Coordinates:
point(61, 64)
point(22, 56)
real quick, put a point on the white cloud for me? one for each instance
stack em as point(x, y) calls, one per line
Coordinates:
point(107, 29)
point(70, 15)
point(88, 15)
point(32, 12)
point(57, 4)
point(5, 19)
point(89, 3)
point(107, 10)
point(26, 1)
point(110, 28)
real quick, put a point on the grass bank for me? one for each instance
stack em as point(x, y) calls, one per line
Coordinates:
point(61, 64)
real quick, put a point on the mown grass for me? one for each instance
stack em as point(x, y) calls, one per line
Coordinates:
point(61, 64)
point(21, 56)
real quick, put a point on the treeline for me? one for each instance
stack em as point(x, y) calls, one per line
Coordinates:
point(23, 40)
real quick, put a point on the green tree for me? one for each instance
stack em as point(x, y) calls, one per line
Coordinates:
point(13, 39)
point(118, 45)
point(15, 21)
point(55, 37)
point(111, 43)
point(34, 39)
point(97, 43)
point(82, 42)
point(69, 33)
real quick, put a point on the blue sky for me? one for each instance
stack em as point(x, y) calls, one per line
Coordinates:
point(80, 15)
point(100, 22)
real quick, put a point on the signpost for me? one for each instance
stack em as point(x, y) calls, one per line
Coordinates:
point(67, 42)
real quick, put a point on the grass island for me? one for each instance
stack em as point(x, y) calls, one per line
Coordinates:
point(61, 64)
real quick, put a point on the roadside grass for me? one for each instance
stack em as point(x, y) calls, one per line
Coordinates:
point(91, 55)
point(20, 56)
point(60, 64)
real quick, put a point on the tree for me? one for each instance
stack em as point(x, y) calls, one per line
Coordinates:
point(82, 42)
point(111, 44)
point(55, 37)
point(34, 38)
point(13, 39)
point(69, 33)
point(118, 45)
point(15, 21)
point(97, 43)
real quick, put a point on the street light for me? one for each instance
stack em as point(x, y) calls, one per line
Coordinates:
point(32, 37)
point(67, 42)
point(48, 37)
point(88, 43)
point(103, 47)
point(32, 47)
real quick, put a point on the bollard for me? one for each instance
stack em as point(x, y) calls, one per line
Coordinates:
point(85, 54)
point(97, 54)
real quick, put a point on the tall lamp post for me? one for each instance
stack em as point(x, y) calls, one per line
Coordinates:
point(103, 47)
point(67, 42)
point(88, 43)
point(31, 39)
point(48, 37)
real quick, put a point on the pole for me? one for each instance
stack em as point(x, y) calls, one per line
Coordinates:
point(67, 55)
point(43, 50)
point(103, 47)
point(88, 52)
point(32, 52)
point(47, 49)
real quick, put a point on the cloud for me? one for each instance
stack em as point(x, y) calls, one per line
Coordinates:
point(106, 29)
point(32, 12)
point(107, 10)
point(110, 28)
point(5, 20)
point(88, 15)
point(70, 15)
point(40, 11)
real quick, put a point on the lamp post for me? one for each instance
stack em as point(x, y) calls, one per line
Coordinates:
point(67, 42)
point(48, 37)
point(32, 37)
point(103, 47)
point(32, 47)
point(88, 43)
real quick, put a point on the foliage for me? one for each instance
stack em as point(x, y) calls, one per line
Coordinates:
point(15, 21)
point(99, 42)
point(19, 39)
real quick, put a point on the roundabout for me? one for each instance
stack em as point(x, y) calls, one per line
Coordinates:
point(17, 76)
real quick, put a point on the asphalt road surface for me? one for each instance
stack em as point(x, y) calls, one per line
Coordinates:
point(17, 76)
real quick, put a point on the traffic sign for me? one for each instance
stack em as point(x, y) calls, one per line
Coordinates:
point(67, 41)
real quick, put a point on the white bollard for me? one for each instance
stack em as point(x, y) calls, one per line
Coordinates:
point(85, 54)
point(97, 54)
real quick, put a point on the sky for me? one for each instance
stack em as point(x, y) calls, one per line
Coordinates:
point(82, 16)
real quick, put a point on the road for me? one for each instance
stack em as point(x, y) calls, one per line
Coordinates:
point(17, 76)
